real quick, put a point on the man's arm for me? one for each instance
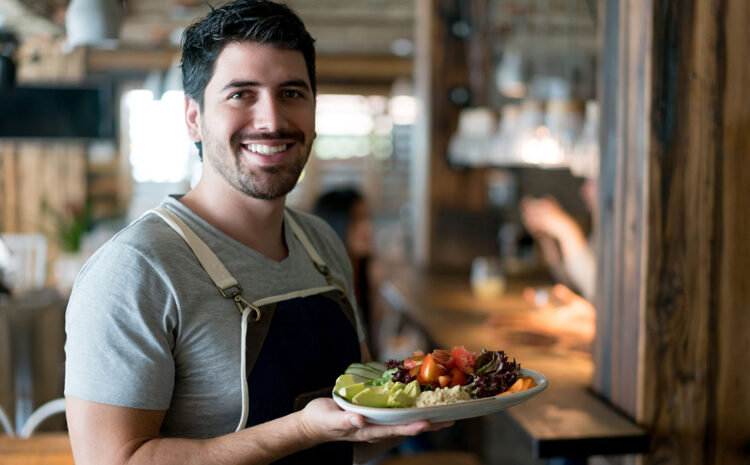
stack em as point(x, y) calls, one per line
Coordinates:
point(103, 434)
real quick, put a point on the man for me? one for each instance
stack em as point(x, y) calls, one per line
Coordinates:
point(200, 332)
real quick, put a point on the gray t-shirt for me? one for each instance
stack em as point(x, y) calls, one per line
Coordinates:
point(146, 327)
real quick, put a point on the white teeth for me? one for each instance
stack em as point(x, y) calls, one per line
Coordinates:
point(266, 149)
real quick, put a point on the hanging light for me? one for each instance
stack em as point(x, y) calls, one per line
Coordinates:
point(93, 23)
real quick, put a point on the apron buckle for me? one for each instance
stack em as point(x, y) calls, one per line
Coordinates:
point(242, 304)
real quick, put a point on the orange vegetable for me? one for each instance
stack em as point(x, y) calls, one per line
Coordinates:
point(430, 372)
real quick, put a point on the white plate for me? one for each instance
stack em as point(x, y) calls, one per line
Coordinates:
point(460, 410)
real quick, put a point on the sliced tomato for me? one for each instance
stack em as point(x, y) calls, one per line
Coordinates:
point(444, 358)
point(465, 359)
point(415, 371)
point(412, 362)
point(458, 377)
point(430, 371)
point(444, 380)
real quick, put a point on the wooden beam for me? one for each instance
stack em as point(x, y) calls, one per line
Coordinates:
point(130, 59)
point(379, 68)
point(363, 68)
point(675, 181)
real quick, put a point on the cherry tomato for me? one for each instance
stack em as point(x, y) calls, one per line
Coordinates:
point(430, 372)
point(444, 358)
point(444, 380)
point(458, 377)
point(464, 359)
point(412, 362)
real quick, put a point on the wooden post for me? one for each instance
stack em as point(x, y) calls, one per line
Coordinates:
point(440, 65)
point(674, 250)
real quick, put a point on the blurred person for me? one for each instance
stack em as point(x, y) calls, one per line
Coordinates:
point(345, 210)
point(564, 245)
point(212, 329)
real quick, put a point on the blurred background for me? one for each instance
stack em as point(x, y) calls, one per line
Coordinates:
point(526, 176)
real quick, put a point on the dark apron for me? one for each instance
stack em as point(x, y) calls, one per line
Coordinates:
point(296, 344)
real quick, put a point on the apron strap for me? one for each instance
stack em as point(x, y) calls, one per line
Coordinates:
point(224, 281)
point(317, 260)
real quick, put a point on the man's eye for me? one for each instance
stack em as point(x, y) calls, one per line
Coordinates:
point(238, 95)
point(292, 94)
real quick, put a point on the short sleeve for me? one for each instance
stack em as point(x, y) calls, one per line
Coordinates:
point(120, 332)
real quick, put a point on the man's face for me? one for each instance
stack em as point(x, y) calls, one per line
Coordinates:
point(258, 121)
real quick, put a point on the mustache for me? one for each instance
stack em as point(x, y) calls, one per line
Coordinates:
point(297, 136)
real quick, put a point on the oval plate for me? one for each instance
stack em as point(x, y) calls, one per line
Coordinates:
point(458, 411)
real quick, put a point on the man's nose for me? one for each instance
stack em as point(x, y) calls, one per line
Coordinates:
point(269, 114)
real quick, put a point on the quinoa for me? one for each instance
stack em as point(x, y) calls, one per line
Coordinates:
point(442, 396)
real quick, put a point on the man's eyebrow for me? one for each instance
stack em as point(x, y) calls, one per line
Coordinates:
point(291, 83)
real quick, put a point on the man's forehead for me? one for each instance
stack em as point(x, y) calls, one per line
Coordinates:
point(251, 61)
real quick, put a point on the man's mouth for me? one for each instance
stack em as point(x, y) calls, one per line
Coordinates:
point(264, 149)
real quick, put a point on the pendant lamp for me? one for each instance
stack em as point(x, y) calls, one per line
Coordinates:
point(94, 23)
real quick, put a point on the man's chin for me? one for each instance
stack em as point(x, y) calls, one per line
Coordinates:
point(263, 191)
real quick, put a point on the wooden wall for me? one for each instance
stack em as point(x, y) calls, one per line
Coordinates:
point(676, 152)
point(37, 172)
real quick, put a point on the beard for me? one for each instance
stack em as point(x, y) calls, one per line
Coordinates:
point(259, 182)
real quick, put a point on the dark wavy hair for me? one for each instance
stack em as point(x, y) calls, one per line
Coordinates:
point(258, 21)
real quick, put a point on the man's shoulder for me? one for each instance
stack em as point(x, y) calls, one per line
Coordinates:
point(149, 235)
point(146, 240)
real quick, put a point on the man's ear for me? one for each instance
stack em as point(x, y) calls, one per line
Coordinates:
point(193, 119)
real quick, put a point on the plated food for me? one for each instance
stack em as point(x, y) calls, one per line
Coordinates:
point(439, 386)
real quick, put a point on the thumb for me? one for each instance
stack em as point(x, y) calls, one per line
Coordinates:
point(357, 421)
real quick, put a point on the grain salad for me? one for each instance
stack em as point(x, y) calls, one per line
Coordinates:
point(442, 396)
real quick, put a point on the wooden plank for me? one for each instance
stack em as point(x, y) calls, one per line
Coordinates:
point(363, 68)
point(731, 427)
point(42, 449)
point(620, 225)
point(10, 188)
point(681, 317)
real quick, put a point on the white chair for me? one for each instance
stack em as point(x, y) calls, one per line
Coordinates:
point(44, 412)
point(5, 423)
point(26, 267)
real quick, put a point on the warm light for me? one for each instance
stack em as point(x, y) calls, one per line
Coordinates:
point(541, 148)
point(403, 109)
point(160, 150)
point(339, 115)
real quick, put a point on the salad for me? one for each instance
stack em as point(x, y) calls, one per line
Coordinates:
point(440, 377)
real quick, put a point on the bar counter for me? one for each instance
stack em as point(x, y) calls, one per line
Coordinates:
point(567, 419)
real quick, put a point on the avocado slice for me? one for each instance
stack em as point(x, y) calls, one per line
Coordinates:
point(376, 396)
point(342, 381)
point(348, 392)
point(401, 399)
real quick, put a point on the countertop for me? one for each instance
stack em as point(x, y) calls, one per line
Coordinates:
point(568, 419)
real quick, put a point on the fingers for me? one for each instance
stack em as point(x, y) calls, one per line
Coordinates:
point(564, 294)
point(374, 433)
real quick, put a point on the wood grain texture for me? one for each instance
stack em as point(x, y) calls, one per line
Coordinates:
point(681, 317)
point(698, 194)
point(730, 426)
point(687, 61)
point(620, 229)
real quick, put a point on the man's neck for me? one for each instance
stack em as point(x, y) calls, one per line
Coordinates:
point(255, 223)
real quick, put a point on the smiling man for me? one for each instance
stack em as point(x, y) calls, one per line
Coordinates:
point(211, 329)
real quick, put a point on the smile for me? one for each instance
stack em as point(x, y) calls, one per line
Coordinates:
point(266, 149)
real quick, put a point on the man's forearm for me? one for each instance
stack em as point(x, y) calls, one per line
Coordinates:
point(260, 444)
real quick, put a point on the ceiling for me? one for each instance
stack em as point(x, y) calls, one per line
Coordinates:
point(357, 27)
